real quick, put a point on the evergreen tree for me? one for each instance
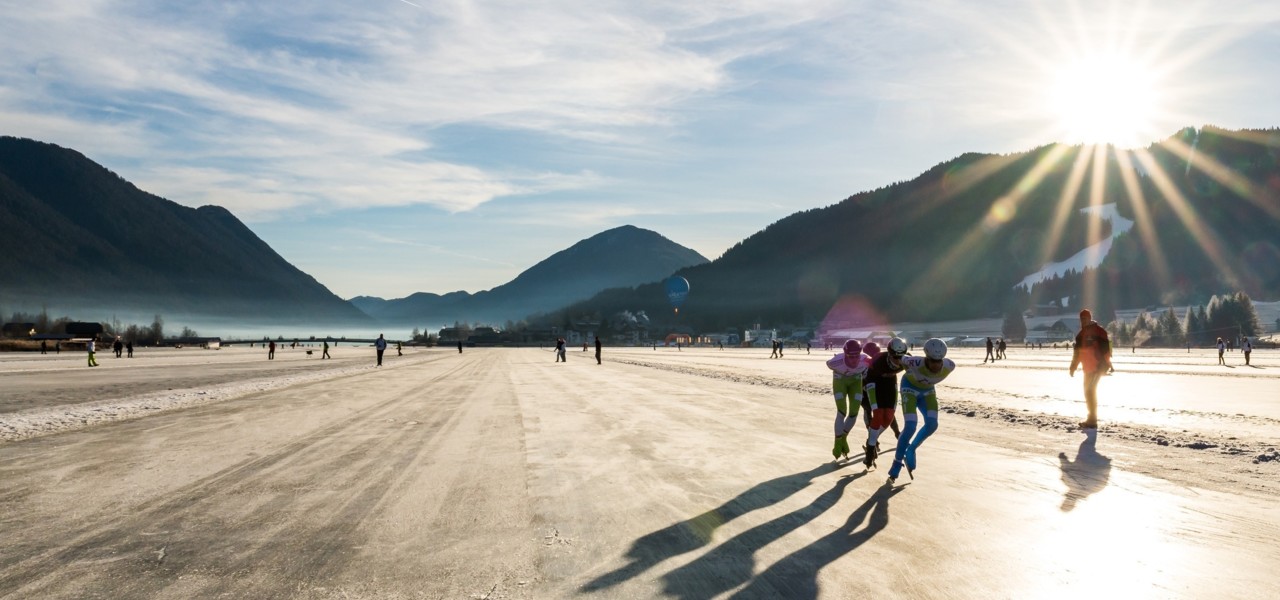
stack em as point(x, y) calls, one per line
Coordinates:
point(1170, 329)
point(1248, 315)
point(157, 330)
point(1120, 333)
point(1143, 327)
point(1015, 327)
point(1157, 329)
point(1190, 325)
point(1231, 316)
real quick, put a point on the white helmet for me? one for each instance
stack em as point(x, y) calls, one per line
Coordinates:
point(935, 349)
point(897, 347)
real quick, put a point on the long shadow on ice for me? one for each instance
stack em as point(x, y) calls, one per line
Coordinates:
point(1085, 475)
point(732, 562)
point(694, 533)
point(796, 575)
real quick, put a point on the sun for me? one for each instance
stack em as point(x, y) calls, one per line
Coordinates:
point(1105, 99)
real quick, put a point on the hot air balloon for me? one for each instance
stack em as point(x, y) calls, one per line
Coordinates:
point(677, 290)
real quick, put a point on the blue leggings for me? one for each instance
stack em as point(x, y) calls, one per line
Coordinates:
point(909, 440)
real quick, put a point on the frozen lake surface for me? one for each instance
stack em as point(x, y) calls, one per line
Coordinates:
point(497, 473)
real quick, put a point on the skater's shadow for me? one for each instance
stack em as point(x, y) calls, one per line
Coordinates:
point(1087, 474)
point(694, 533)
point(796, 575)
point(732, 562)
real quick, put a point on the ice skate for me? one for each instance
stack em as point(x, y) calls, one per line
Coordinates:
point(869, 459)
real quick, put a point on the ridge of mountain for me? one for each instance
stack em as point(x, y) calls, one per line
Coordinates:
point(953, 242)
point(81, 239)
point(621, 257)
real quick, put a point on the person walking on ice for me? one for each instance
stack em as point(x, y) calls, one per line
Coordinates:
point(922, 374)
point(1092, 352)
point(93, 362)
point(1247, 346)
point(1222, 347)
point(380, 345)
point(847, 370)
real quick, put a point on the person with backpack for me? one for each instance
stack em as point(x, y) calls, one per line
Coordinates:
point(1091, 353)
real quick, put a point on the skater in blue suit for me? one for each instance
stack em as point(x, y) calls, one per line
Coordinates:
point(922, 374)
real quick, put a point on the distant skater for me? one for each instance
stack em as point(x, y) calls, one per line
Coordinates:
point(128, 348)
point(1222, 347)
point(919, 392)
point(597, 349)
point(1000, 349)
point(271, 350)
point(1247, 346)
point(118, 347)
point(1092, 353)
point(560, 350)
point(44, 347)
point(990, 352)
point(93, 362)
point(380, 345)
point(325, 353)
point(399, 349)
point(57, 347)
point(459, 346)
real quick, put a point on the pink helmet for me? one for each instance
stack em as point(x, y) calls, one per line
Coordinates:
point(871, 349)
point(853, 347)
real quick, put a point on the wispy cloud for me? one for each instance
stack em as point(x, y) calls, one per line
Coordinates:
point(337, 93)
point(591, 115)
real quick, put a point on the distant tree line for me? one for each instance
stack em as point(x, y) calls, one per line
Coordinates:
point(1228, 316)
point(152, 334)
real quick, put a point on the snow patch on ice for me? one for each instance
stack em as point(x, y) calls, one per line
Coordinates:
point(1257, 452)
point(44, 421)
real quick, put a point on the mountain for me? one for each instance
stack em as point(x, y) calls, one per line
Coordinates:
point(618, 258)
point(954, 242)
point(83, 241)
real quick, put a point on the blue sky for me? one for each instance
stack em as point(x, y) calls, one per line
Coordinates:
point(392, 146)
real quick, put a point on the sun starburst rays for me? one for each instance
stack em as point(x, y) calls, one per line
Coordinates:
point(1112, 84)
point(1206, 237)
point(1142, 218)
